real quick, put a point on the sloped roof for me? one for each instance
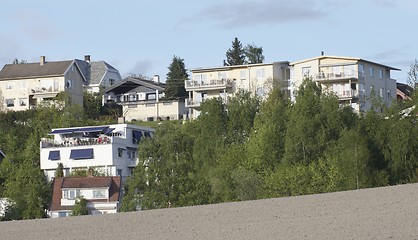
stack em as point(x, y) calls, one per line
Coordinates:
point(405, 89)
point(131, 84)
point(32, 70)
point(114, 184)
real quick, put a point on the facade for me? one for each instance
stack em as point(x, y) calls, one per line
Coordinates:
point(224, 82)
point(101, 193)
point(353, 80)
point(143, 100)
point(24, 86)
point(99, 74)
point(108, 150)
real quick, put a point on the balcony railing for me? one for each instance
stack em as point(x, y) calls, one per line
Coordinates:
point(339, 76)
point(43, 90)
point(71, 142)
point(347, 94)
point(192, 103)
point(208, 84)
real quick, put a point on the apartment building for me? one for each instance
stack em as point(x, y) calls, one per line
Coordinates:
point(224, 82)
point(353, 80)
point(109, 150)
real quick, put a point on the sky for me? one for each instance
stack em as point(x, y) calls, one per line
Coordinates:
point(143, 36)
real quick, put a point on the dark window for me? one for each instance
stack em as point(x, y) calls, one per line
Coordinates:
point(82, 154)
point(54, 155)
point(136, 136)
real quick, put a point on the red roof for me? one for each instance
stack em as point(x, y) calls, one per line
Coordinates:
point(59, 183)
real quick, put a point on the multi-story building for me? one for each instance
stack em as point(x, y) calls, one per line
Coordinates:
point(109, 150)
point(353, 80)
point(223, 82)
point(143, 100)
point(24, 86)
point(102, 194)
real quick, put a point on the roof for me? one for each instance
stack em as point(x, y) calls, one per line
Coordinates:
point(340, 57)
point(32, 70)
point(113, 183)
point(135, 84)
point(405, 89)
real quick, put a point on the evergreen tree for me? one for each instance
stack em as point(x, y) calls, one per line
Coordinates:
point(59, 172)
point(175, 79)
point(236, 54)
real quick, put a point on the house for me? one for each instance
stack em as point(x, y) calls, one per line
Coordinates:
point(109, 150)
point(99, 74)
point(225, 81)
point(24, 86)
point(101, 193)
point(353, 80)
point(404, 92)
point(143, 100)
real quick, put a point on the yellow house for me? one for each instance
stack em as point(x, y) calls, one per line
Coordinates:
point(224, 82)
point(24, 86)
point(353, 80)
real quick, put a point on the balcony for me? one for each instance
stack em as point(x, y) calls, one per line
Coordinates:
point(44, 92)
point(208, 84)
point(331, 77)
point(191, 103)
point(72, 142)
point(350, 94)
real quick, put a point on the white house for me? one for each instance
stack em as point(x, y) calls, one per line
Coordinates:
point(109, 150)
point(102, 195)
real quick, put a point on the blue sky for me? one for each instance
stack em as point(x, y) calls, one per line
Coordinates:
point(142, 37)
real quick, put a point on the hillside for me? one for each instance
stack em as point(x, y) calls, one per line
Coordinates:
point(379, 213)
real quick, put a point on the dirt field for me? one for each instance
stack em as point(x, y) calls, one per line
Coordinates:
point(380, 213)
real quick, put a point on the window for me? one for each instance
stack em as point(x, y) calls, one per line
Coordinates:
point(389, 94)
point(10, 102)
point(9, 85)
point(361, 68)
point(222, 75)
point(77, 154)
point(371, 71)
point(120, 152)
point(100, 193)
point(71, 194)
point(119, 172)
point(23, 101)
point(381, 92)
point(150, 105)
point(306, 71)
point(69, 84)
point(243, 74)
point(111, 82)
point(151, 96)
point(381, 73)
point(260, 73)
point(132, 106)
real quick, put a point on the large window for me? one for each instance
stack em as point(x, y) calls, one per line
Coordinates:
point(371, 71)
point(23, 101)
point(260, 73)
point(306, 71)
point(381, 73)
point(99, 193)
point(120, 152)
point(71, 194)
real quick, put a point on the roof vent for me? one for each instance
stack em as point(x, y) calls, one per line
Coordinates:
point(42, 60)
point(156, 78)
point(87, 58)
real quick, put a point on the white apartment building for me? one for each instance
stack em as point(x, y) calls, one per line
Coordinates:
point(353, 80)
point(110, 150)
point(224, 82)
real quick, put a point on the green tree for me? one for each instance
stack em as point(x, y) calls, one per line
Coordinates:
point(254, 54)
point(176, 76)
point(92, 104)
point(80, 207)
point(412, 78)
point(236, 54)
point(59, 172)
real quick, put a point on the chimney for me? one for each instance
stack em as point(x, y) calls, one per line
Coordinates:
point(322, 53)
point(87, 58)
point(42, 61)
point(156, 78)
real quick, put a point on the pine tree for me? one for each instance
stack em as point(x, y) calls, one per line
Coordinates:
point(236, 54)
point(175, 79)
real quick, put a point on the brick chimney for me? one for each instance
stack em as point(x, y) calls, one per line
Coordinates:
point(87, 58)
point(42, 60)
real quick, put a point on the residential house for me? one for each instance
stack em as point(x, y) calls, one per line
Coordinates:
point(109, 150)
point(226, 81)
point(143, 100)
point(98, 74)
point(404, 92)
point(353, 80)
point(24, 86)
point(103, 195)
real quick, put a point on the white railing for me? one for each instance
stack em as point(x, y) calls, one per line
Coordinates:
point(337, 76)
point(208, 83)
